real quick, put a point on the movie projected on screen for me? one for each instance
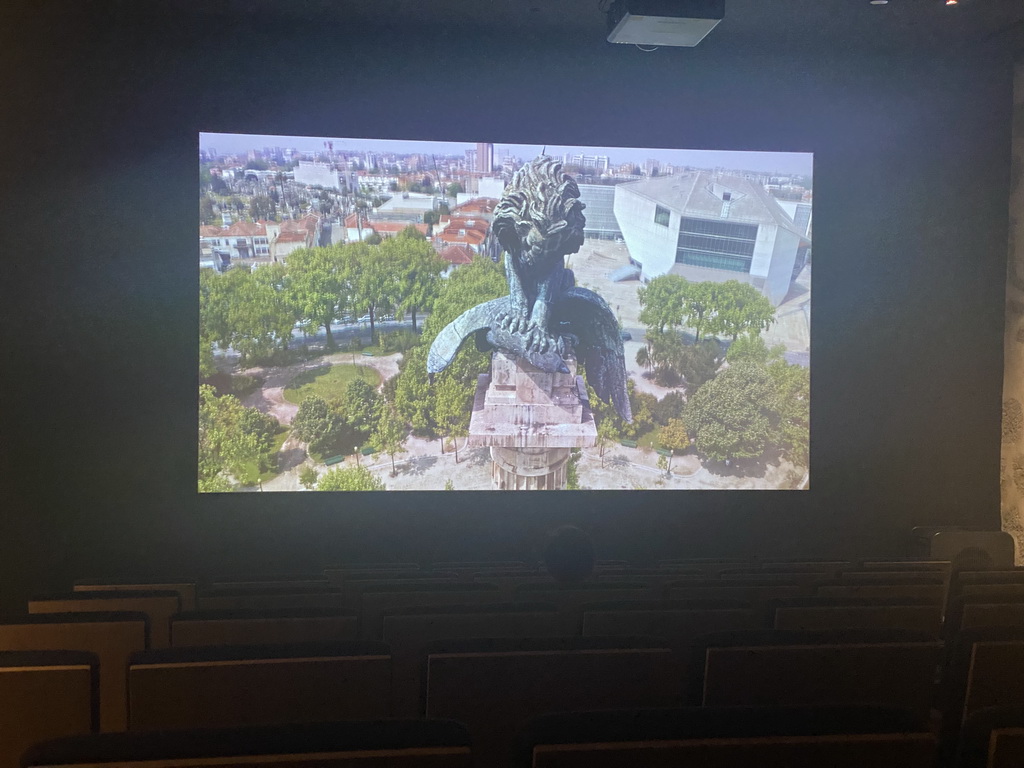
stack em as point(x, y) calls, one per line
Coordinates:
point(425, 316)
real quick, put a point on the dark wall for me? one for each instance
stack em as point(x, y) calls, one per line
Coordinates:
point(98, 228)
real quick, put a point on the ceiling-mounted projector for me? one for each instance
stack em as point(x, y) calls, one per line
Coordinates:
point(663, 22)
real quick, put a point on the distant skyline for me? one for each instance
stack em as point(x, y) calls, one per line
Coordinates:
point(796, 163)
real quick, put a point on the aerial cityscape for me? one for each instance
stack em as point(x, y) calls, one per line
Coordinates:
point(328, 266)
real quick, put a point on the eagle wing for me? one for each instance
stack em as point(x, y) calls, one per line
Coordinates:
point(587, 316)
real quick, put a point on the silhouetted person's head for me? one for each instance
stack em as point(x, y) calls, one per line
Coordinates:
point(569, 554)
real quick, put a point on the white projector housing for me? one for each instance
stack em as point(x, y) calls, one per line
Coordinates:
point(664, 22)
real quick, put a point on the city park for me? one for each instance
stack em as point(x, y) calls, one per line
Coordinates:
point(348, 405)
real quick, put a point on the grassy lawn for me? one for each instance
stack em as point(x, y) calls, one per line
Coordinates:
point(252, 475)
point(649, 440)
point(328, 381)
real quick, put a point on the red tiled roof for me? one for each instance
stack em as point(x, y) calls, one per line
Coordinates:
point(476, 205)
point(237, 229)
point(394, 227)
point(457, 254)
point(472, 236)
point(292, 237)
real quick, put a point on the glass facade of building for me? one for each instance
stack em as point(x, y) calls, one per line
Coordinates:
point(716, 244)
point(600, 213)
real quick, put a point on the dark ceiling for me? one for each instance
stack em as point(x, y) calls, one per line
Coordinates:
point(757, 25)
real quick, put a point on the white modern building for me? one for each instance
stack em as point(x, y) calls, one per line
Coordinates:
point(600, 211)
point(244, 242)
point(316, 175)
point(708, 226)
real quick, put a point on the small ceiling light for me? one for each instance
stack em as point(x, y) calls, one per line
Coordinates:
point(879, 2)
point(952, 2)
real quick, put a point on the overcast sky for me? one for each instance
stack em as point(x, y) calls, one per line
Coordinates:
point(781, 162)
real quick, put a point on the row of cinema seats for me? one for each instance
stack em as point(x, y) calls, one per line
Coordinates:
point(494, 647)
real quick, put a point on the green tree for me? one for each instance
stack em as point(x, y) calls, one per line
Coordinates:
point(307, 477)
point(317, 286)
point(390, 435)
point(669, 407)
point(699, 306)
point(793, 408)
point(643, 357)
point(206, 213)
point(452, 410)
point(465, 288)
point(230, 438)
point(731, 416)
point(430, 217)
point(318, 424)
point(212, 321)
point(257, 165)
point(662, 302)
point(606, 434)
point(751, 347)
point(739, 308)
point(361, 405)
point(350, 479)
point(572, 475)
point(698, 363)
point(260, 315)
point(371, 274)
point(417, 271)
point(454, 189)
point(261, 207)
point(674, 437)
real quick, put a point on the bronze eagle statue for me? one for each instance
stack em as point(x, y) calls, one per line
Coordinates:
point(538, 221)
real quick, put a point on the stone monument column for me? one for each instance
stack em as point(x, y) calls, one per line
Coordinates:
point(530, 419)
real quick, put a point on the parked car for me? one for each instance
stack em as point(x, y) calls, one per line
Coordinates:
point(625, 335)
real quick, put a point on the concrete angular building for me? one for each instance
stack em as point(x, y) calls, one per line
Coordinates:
point(712, 226)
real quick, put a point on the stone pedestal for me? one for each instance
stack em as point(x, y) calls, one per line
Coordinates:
point(530, 419)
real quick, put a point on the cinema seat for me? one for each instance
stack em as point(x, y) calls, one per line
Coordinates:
point(262, 627)
point(354, 588)
point(570, 598)
point(215, 687)
point(928, 592)
point(708, 566)
point(940, 566)
point(113, 637)
point(186, 588)
point(375, 600)
point(677, 621)
point(727, 737)
point(836, 613)
point(273, 597)
point(893, 577)
point(992, 590)
point(973, 611)
point(995, 675)
point(481, 566)
point(258, 583)
point(407, 630)
point(496, 686)
point(755, 590)
point(992, 738)
point(158, 607)
point(792, 668)
point(370, 744)
point(45, 695)
point(809, 570)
